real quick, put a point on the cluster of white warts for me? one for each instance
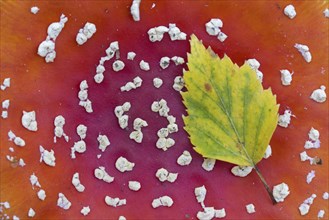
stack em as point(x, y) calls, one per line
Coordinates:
point(213, 28)
point(119, 113)
point(79, 146)
point(83, 97)
point(59, 123)
point(47, 49)
point(318, 95)
point(6, 102)
point(208, 212)
point(18, 141)
point(163, 142)
point(312, 142)
point(280, 192)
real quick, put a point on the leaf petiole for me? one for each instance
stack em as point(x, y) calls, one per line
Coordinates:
point(269, 191)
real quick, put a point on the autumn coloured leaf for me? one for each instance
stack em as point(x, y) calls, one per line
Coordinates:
point(230, 116)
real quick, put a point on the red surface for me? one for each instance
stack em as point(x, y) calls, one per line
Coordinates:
point(256, 29)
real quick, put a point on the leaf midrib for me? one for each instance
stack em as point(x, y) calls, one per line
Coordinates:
point(219, 143)
point(224, 109)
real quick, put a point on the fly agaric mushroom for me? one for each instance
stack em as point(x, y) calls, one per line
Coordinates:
point(255, 30)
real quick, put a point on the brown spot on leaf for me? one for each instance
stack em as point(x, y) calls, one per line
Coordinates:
point(208, 87)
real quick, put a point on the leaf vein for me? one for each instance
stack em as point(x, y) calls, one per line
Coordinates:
point(219, 143)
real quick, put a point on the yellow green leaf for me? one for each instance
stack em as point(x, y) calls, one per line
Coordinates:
point(230, 116)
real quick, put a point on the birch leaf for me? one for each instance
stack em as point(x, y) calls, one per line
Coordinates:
point(230, 116)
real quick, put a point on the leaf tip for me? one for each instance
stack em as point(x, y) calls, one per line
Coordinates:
point(193, 38)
